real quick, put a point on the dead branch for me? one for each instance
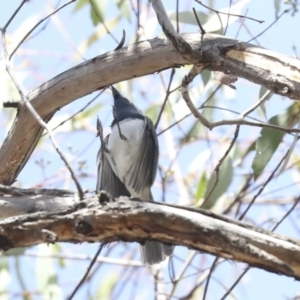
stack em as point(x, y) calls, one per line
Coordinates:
point(31, 220)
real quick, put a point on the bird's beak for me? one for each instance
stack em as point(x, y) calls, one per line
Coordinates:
point(115, 92)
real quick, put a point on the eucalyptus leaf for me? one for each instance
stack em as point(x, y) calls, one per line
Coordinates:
point(201, 187)
point(98, 11)
point(225, 178)
point(107, 286)
point(124, 8)
point(268, 143)
point(262, 92)
point(188, 17)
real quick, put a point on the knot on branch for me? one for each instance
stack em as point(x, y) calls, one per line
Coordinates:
point(104, 197)
point(5, 243)
point(83, 228)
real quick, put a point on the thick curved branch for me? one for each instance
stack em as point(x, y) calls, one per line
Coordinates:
point(278, 73)
point(65, 219)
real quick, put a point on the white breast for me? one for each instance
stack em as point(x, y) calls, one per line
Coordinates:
point(122, 153)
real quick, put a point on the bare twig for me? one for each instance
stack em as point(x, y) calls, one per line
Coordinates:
point(166, 98)
point(36, 25)
point(87, 272)
point(77, 112)
point(285, 11)
point(95, 9)
point(287, 214)
point(33, 111)
point(263, 187)
point(235, 284)
point(211, 269)
point(198, 21)
point(217, 169)
point(13, 15)
point(239, 121)
point(121, 44)
point(229, 14)
point(256, 105)
point(180, 274)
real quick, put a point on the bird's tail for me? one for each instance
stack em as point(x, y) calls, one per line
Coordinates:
point(155, 252)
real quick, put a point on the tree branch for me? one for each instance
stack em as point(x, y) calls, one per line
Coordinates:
point(277, 72)
point(66, 219)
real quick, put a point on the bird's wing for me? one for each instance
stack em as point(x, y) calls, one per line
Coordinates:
point(143, 169)
point(106, 178)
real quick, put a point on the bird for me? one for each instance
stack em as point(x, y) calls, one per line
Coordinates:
point(127, 164)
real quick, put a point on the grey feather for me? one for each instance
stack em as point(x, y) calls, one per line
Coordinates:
point(152, 253)
point(106, 179)
point(155, 252)
point(145, 166)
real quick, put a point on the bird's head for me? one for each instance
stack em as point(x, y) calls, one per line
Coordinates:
point(123, 107)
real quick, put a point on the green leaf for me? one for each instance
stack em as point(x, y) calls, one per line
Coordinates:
point(80, 4)
point(152, 112)
point(192, 133)
point(262, 92)
point(206, 75)
point(98, 11)
point(5, 278)
point(277, 7)
point(98, 33)
point(16, 251)
point(268, 143)
point(107, 286)
point(201, 188)
point(188, 17)
point(124, 8)
point(225, 178)
point(290, 151)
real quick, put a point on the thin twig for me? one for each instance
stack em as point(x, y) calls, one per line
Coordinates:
point(87, 272)
point(13, 15)
point(177, 16)
point(78, 112)
point(36, 115)
point(217, 169)
point(236, 282)
point(166, 97)
point(240, 121)
point(199, 282)
point(262, 187)
point(36, 25)
point(263, 99)
point(95, 9)
point(229, 14)
point(198, 22)
point(79, 257)
point(286, 214)
point(187, 262)
point(209, 276)
point(285, 11)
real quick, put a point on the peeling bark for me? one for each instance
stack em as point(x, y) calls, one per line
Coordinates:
point(65, 219)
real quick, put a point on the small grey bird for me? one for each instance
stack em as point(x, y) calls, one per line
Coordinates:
point(128, 165)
